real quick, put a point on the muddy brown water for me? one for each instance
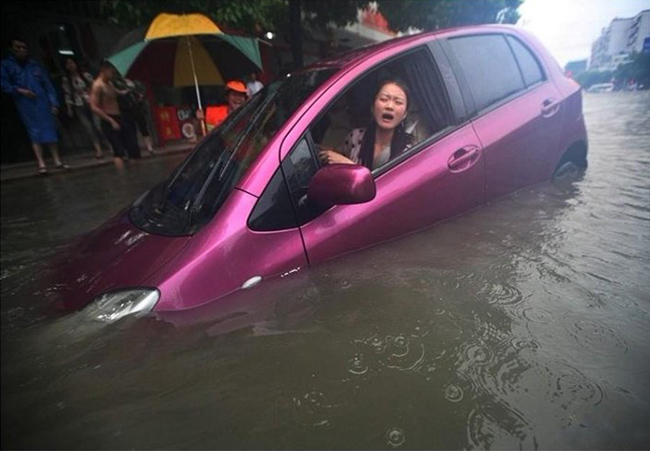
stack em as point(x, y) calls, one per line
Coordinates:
point(522, 324)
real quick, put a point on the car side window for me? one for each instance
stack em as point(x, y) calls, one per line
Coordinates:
point(530, 67)
point(284, 203)
point(299, 167)
point(428, 113)
point(489, 67)
point(351, 120)
point(273, 210)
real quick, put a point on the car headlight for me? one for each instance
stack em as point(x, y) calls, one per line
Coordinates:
point(110, 307)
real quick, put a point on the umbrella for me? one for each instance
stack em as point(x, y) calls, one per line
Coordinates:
point(185, 50)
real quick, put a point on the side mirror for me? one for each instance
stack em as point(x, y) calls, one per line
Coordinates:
point(340, 184)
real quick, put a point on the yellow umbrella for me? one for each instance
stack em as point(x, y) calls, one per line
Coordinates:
point(186, 26)
point(188, 51)
point(169, 25)
point(204, 72)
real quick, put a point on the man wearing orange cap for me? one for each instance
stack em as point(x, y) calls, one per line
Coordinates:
point(236, 95)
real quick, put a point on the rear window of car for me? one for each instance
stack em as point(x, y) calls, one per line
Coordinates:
point(530, 67)
point(489, 67)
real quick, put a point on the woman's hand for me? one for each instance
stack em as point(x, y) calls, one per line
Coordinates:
point(332, 157)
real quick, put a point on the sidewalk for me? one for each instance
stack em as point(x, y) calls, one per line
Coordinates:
point(79, 162)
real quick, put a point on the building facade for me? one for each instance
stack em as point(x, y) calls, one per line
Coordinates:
point(619, 40)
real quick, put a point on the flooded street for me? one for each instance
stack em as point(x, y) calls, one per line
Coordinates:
point(522, 324)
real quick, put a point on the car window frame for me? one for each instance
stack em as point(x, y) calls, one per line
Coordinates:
point(470, 103)
point(534, 56)
point(282, 169)
point(456, 106)
point(459, 115)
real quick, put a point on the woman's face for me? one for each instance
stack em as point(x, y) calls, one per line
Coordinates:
point(390, 106)
point(70, 65)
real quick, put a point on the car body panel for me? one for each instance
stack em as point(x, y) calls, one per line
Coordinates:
point(480, 156)
point(411, 196)
point(519, 139)
point(225, 254)
point(116, 255)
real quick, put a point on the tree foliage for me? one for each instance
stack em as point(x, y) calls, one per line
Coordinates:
point(436, 14)
point(245, 15)
point(253, 15)
point(592, 77)
point(287, 17)
point(638, 70)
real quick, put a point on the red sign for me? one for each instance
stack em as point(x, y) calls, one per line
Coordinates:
point(167, 123)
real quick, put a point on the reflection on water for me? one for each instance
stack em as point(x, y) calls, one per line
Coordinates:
point(522, 324)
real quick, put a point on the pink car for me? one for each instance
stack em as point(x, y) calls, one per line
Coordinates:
point(482, 111)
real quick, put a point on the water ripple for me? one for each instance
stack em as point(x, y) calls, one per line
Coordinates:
point(395, 437)
point(598, 338)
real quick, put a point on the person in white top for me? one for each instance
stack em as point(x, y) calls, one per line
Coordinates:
point(253, 85)
point(76, 85)
point(385, 138)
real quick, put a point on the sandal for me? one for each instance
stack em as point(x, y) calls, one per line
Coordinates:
point(42, 171)
point(62, 166)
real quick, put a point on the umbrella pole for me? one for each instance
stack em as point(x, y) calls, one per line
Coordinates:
point(196, 86)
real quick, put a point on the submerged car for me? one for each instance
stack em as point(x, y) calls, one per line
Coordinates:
point(489, 112)
point(601, 87)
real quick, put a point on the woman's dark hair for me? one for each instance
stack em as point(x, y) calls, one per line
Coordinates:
point(16, 39)
point(106, 65)
point(73, 59)
point(401, 139)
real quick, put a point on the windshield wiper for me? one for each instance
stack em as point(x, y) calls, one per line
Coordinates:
point(261, 109)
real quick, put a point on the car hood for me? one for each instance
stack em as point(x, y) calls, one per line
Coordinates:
point(117, 255)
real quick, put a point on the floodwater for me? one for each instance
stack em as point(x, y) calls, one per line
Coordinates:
point(522, 324)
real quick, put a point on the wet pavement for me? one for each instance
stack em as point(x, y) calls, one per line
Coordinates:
point(520, 325)
point(80, 162)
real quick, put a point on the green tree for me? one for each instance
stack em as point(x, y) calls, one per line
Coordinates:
point(246, 15)
point(288, 17)
point(638, 70)
point(591, 77)
point(285, 17)
point(436, 14)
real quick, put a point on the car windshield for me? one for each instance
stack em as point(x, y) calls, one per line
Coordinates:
point(198, 187)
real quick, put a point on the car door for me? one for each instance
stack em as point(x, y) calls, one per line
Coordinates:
point(438, 178)
point(517, 108)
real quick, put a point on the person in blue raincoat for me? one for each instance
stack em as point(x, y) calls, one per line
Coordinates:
point(28, 84)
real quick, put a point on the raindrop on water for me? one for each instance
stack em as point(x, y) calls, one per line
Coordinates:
point(378, 345)
point(395, 437)
point(345, 285)
point(479, 355)
point(357, 366)
point(400, 346)
point(453, 393)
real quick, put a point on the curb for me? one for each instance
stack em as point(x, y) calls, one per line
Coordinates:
point(21, 171)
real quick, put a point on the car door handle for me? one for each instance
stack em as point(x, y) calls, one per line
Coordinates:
point(463, 158)
point(550, 107)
